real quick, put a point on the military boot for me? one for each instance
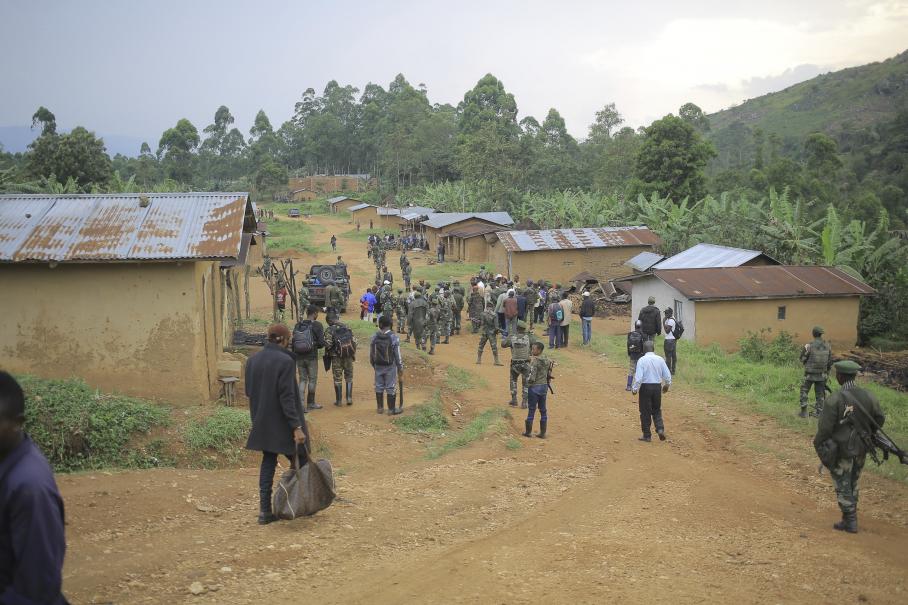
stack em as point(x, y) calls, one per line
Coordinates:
point(479, 359)
point(513, 401)
point(542, 426)
point(266, 516)
point(349, 392)
point(310, 401)
point(446, 339)
point(848, 523)
point(497, 363)
point(630, 380)
point(523, 404)
point(337, 394)
point(528, 431)
point(803, 413)
point(380, 403)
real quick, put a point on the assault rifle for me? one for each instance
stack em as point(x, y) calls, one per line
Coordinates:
point(549, 377)
point(874, 438)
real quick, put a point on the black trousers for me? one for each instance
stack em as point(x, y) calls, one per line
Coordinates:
point(650, 401)
point(671, 355)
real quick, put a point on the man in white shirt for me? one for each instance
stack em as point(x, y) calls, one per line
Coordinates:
point(670, 346)
point(651, 380)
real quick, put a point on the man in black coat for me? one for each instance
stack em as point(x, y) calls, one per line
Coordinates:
point(650, 320)
point(278, 423)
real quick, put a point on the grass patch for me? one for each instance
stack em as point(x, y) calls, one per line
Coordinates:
point(448, 271)
point(79, 428)
point(363, 234)
point(459, 380)
point(316, 206)
point(222, 432)
point(428, 418)
point(513, 444)
point(767, 388)
point(296, 235)
point(475, 430)
point(886, 344)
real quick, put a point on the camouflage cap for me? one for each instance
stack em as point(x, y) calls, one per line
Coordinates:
point(847, 367)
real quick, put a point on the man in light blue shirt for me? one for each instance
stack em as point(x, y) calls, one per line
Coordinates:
point(651, 379)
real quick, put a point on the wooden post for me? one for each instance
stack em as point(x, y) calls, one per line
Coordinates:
point(246, 291)
point(235, 290)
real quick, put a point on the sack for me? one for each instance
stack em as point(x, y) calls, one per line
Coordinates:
point(679, 329)
point(828, 453)
point(302, 341)
point(305, 491)
point(382, 350)
point(344, 346)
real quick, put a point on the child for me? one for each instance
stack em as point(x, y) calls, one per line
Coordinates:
point(540, 375)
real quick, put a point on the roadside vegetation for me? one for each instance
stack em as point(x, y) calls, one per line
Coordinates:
point(765, 377)
point(458, 379)
point(218, 437)
point(295, 235)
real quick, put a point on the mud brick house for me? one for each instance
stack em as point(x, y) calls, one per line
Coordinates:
point(349, 183)
point(471, 243)
point(302, 195)
point(342, 203)
point(438, 225)
point(125, 290)
point(559, 254)
point(721, 304)
point(364, 213)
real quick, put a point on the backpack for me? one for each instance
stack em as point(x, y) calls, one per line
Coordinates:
point(343, 342)
point(302, 341)
point(382, 350)
point(635, 343)
point(679, 329)
point(556, 312)
point(520, 347)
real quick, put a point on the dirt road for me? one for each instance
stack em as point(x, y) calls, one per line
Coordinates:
point(729, 509)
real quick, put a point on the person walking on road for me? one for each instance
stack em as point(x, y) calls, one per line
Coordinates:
point(650, 320)
point(539, 376)
point(333, 243)
point(511, 311)
point(568, 306)
point(670, 345)
point(635, 340)
point(651, 380)
point(817, 359)
point(489, 326)
point(519, 342)
point(308, 337)
point(368, 302)
point(475, 308)
point(32, 526)
point(340, 349)
point(385, 358)
point(416, 320)
point(278, 422)
point(848, 413)
point(587, 312)
point(440, 249)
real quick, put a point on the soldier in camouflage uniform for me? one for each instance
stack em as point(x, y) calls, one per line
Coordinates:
point(432, 320)
point(457, 295)
point(490, 330)
point(532, 294)
point(817, 359)
point(334, 299)
point(387, 304)
point(445, 316)
point(400, 309)
point(303, 297)
point(416, 319)
point(848, 410)
point(407, 270)
point(476, 308)
point(341, 362)
point(519, 344)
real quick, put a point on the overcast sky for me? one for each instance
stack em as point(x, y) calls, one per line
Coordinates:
point(135, 68)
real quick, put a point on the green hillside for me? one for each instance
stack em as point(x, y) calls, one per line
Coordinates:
point(835, 103)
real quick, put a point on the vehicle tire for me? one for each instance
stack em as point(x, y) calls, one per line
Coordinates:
point(326, 274)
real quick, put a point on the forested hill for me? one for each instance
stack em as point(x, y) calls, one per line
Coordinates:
point(845, 104)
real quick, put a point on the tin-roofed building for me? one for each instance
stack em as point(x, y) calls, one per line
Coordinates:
point(125, 291)
point(302, 195)
point(342, 203)
point(721, 304)
point(363, 213)
point(559, 254)
point(702, 256)
point(439, 224)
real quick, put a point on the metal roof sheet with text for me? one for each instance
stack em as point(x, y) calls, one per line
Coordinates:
point(573, 239)
point(119, 227)
point(770, 281)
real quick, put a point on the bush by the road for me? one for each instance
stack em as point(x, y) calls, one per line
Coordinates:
point(222, 432)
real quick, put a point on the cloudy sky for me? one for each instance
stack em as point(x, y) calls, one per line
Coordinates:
point(135, 68)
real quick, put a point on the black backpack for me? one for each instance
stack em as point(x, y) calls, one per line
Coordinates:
point(344, 346)
point(635, 343)
point(382, 353)
point(303, 342)
point(679, 329)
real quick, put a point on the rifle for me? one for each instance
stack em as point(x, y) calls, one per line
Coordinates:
point(400, 389)
point(876, 439)
point(548, 377)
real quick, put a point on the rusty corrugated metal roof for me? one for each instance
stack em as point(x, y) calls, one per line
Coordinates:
point(474, 230)
point(570, 239)
point(121, 227)
point(772, 281)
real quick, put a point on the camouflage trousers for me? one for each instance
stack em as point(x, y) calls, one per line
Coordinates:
point(492, 339)
point(444, 327)
point(418, 331)
point(456, 321)
point(476, 323)
point(401, 321)
point(342, 368)
point(819, 387)
point(430, 335)
point(519, 368)
point(845, 476)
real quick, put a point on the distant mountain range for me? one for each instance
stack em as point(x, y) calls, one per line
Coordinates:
point(16, 139)
point(835, 103)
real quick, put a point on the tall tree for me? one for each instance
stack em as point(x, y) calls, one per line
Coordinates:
point(177, 150)
point(671, 160)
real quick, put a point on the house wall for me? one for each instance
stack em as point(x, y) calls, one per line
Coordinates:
point(344, 206)
point(144, 329)
point(432, 234)
point(666, 296)
point(303, 196)
point(469, 250)
point(391, 222)
point(562, 265)
point(726, 322)
point(365, 215)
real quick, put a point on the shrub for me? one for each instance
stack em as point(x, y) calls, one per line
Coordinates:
point(780, 351)
point(79, 428)
point(223, 431)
